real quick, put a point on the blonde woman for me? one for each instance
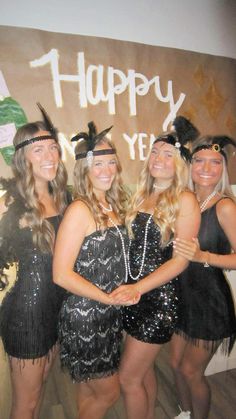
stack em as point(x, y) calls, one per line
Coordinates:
point(31, 211)
point(162, 209)
point(207, 316)
point(89, 262)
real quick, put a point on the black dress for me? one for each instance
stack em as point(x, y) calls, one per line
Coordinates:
point(206, 308)
point(29, 311)
point(90, 332)
point(153, 319)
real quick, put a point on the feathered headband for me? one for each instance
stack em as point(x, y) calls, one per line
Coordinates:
point(215, 143)
point(49, 127)
point(184, 131)
point(91, 139)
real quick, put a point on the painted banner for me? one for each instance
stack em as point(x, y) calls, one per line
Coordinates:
point(137, 88)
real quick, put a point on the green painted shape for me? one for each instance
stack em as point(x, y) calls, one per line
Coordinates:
point(11, 112)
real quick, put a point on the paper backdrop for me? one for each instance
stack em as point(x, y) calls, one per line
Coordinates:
point(137, 88)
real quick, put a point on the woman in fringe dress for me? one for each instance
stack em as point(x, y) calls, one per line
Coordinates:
point(31, 210)
point(206, 308)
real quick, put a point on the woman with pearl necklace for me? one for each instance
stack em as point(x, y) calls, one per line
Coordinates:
point(207, 317)
point(89, 262)
point(161, 209)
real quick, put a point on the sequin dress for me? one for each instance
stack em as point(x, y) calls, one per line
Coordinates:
point(153, 319)
point(29, 311)
point(90, 332)
point(206, 309)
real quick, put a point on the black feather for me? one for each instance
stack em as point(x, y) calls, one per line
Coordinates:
point(223, 141)
point(92, 137)
point(47, 121)
point(185, 130)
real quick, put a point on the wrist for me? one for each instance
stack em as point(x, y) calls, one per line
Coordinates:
point(206, 259)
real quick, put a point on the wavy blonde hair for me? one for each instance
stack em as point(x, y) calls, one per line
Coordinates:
point(83, 187)
point(167, 203)
point(43, 231)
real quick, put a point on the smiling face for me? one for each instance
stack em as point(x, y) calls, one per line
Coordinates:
point(44, 157)
point(162, 162)
point(207, 168)
point(103, 170)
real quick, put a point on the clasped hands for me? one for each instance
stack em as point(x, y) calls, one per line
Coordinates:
point(125, 295)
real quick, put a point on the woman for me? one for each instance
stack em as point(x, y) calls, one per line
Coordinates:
point(207, 317)
point(89, 262)
point(31, 210)
point(161, 210)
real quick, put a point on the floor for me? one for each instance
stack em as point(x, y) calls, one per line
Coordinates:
point(59, 399)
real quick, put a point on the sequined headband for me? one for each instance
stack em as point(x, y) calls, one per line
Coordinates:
point(172, 140)
point(48, 127)
point(33, 140)
point(91, 139)
point(214, 147)
point(90, 154)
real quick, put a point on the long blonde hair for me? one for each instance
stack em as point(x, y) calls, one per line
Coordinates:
point(43, 232)
point(83, 188)
point(167, 203)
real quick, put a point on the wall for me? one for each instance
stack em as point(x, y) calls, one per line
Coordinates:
point(203, 26)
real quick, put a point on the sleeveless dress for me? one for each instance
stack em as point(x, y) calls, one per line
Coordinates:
point(206, 308)
point(29, 311)
point(90, 332)
point(153, 319)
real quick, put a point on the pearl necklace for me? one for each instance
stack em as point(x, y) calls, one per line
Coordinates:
point(144, 253)
point(123, 247)
point(160, 187)
point(204, 204)
point(109, 209)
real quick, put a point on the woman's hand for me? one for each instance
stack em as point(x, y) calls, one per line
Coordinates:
point(189, 249)
point(125, 295)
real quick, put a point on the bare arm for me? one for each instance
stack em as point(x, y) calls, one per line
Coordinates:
point(187, 225)
point(226, 213)
point(76, 224)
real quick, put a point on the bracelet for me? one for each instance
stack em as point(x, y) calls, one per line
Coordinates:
point(206, 264)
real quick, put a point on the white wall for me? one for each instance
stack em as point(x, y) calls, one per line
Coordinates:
point(207, 26)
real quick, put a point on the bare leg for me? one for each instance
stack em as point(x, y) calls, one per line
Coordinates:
point(137, 377)
point(95, 397)
point(48, 366)
point(190, 379)
point(177, 349)
point(27, 379)
point(193, 367)
point(150, 384)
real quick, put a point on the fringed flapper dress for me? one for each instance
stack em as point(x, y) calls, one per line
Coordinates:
point(29, 311)
point(153, 319)
point(206, 309)
point(90, 332)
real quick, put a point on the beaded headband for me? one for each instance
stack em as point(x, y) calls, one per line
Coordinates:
point(217, 144)
point(33, 140)
point(49, 127)
point(91, 139)
point(184, 132)
point(94, 153)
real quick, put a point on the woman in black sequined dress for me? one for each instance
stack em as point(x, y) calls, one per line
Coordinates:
point(161, 209)
point(89, 263)
point(206, 310)
point(32, 207)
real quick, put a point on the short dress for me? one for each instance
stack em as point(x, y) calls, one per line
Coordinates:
point(29, 311)
point(206, 307)
point(154, 318)
point(90, 332)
